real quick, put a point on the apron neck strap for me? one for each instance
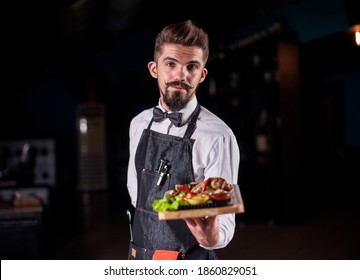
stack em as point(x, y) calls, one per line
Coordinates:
point(192, 122)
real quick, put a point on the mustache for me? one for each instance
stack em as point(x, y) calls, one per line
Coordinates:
point(179, 83)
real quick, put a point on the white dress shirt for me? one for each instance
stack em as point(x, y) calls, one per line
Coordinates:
point(215, 154)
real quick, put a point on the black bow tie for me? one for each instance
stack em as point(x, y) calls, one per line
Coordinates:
point(159, 116)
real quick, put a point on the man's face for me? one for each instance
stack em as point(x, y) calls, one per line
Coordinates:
point(179, 70)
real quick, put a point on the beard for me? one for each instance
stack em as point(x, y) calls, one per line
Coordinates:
point(177, 100)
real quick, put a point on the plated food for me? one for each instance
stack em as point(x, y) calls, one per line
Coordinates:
point(213, 192)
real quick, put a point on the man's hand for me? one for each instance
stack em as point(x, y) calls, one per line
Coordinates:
point(205, 230)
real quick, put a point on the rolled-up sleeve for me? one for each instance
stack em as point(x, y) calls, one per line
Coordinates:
point(224, 163)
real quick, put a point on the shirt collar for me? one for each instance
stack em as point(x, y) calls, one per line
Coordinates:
point(186, 111)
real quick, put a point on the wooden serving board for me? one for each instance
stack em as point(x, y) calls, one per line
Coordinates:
point(236, 207)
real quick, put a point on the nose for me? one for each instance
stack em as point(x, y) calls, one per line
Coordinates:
point(181, 73)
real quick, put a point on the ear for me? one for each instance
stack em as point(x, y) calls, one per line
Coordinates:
point(203, 75)
point(152, 69)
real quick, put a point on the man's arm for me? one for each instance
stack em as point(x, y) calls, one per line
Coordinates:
point(216, 232)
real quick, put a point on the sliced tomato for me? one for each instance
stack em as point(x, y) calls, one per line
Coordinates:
point(187, 196)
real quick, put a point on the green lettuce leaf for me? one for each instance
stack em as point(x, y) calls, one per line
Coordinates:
point(169, 203)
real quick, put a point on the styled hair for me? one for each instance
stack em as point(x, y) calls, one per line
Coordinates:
point(185, 33)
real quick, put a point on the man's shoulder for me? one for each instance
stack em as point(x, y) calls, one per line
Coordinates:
point(207, 117)
point(141, 120)
point(144, 115)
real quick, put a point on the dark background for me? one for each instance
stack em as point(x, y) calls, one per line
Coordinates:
point(287, 71)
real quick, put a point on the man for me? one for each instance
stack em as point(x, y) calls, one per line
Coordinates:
point(194, 145)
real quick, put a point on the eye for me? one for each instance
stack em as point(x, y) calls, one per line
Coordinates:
point(170, 64)
point(192, 67)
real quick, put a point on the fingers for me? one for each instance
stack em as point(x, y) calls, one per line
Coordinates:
point(200, 222)
point(205, 229)
point(190, 222)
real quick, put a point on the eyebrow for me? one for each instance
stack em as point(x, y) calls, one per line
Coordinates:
point(175, 60)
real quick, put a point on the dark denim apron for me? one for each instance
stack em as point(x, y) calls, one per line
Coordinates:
point(150, 233)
